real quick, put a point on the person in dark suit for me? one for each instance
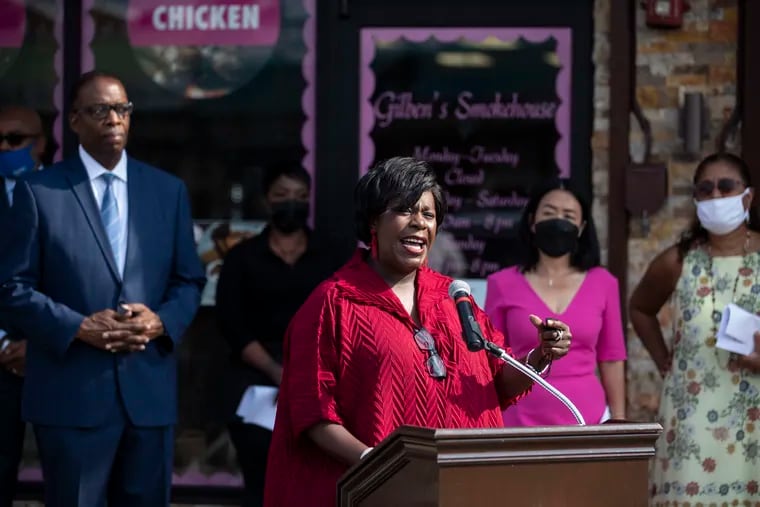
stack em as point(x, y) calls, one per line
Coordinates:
point(22, 143)
point(99, 273)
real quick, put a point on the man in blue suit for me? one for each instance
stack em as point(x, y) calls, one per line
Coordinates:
point(99, 273)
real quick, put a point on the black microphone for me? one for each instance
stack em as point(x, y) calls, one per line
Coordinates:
point(460, 291)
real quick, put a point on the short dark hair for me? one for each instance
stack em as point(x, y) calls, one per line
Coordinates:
point(85, 79)
point(398, 182)
point(585, 256)
point(696, 234)
point(294, 171)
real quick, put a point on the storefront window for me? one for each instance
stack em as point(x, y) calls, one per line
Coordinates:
point(31, 62)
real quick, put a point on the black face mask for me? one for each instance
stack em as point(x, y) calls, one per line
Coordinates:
point(556, 237)
point(289, 216)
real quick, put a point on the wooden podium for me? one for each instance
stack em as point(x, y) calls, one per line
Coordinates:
point(559, 466)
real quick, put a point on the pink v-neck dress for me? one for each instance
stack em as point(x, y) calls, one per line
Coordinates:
point(594, 318)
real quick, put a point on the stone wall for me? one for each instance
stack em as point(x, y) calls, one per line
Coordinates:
point(698, 57)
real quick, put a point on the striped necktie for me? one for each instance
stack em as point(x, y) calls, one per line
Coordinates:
point(109, 213)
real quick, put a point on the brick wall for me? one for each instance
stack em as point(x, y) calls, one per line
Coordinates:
point(698, 57)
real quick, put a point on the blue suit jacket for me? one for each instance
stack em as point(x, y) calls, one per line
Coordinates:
point(57, 267)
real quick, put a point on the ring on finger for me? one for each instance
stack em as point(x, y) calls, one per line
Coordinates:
point(558, 334)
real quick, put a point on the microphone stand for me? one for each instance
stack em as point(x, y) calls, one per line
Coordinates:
point(497, 351)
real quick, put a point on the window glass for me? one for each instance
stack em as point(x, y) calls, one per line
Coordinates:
point(31, 62)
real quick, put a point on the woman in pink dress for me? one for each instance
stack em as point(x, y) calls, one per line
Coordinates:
point(559, 276)
point(379, 345)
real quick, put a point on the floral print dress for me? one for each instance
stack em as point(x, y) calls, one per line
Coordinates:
point(708, 453)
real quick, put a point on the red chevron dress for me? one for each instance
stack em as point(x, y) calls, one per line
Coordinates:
point(350, 357)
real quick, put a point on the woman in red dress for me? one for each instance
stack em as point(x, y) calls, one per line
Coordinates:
point(379, 345)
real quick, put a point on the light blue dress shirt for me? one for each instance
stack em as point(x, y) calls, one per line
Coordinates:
point(119, 185)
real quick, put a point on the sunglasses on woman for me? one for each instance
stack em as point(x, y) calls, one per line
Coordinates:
point(434, 363)
point(705, 188)
point(14, 139)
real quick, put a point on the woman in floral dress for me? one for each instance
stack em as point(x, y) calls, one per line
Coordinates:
point(709, 452)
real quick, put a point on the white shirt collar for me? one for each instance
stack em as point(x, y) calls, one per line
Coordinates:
point(94, 169)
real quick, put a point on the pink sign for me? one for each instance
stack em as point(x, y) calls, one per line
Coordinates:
point(12, 23)
point(203, 22)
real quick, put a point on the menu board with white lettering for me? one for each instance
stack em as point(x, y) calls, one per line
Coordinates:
point(489, 109)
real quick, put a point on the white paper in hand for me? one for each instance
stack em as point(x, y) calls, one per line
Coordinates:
point(737, 327)
point(258, 406)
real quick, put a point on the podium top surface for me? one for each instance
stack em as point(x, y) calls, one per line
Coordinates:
point(427, 466)
point(457, 447)
point(619, 430)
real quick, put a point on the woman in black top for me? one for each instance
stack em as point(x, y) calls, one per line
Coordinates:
point(263, 282)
